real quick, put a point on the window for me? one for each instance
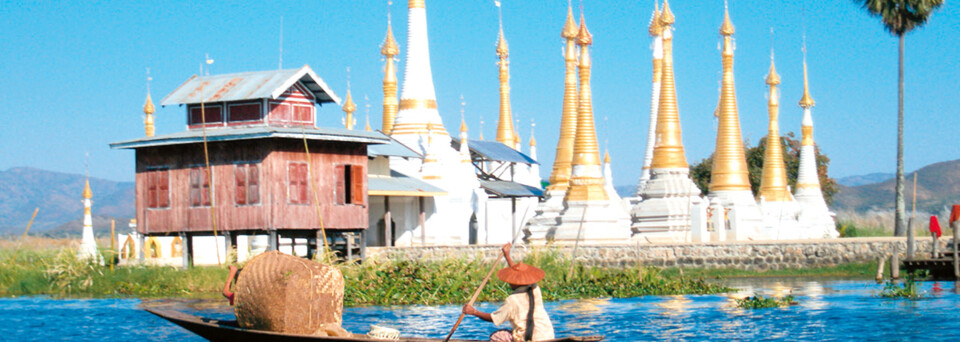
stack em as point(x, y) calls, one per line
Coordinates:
point(280, 112)
point(212, 114)
point(199, 187)
point(349, 184)
point(303, 113)
point(248, 184)
point(244, 112)
point(297, 181)
point(158, 188)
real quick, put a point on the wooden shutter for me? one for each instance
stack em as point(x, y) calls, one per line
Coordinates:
point(340, 190)
point(163, 187)
point(253, 184)
point(241, 181)
point(304, 184)
point(206, 185)
point(195, 187)
point(292, 191)
point(151, 189)
point(357, 178)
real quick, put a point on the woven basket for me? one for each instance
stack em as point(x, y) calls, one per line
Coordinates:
point(283, 293)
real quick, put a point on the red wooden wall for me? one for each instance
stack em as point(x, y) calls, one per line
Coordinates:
point(274, 210)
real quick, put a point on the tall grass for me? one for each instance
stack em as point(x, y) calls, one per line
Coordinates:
point(880, 223)
point(455, 280)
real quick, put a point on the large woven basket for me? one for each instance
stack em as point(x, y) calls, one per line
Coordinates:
point(284, 293)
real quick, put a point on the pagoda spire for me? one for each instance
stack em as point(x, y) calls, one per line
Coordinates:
point(148, 110)
point(349, 107)
point(418, 115)
point(773, 183)
point(729, 163)
point(88, 245)
point(655, 29)
point(668, 153)
point(389, 50)
point(505, 131)
point(807, 176)
point(586, 182)
point(560, 175)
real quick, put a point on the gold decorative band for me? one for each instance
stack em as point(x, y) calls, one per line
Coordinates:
point(417, 104)
point(416, 4)
point(419, 128)
point(807, 132)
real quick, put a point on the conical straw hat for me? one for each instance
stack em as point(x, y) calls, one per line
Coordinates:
point(521, 274)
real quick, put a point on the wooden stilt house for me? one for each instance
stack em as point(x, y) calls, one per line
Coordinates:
point(258, 127)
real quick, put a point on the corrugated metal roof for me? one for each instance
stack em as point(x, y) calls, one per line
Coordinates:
point(494, 151)
point(392, 149)
point(255, 132)
point(510, 189)
point(401, 185)
point(249, 85)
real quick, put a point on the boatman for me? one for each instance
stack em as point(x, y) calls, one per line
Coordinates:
point(523, 308)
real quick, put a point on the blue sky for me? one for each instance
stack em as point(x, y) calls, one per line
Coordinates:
point(72, 74)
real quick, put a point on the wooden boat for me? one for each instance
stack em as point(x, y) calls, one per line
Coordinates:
point(217, 330)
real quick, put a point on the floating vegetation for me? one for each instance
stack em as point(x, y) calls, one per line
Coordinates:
point(758, 301)
point(908, 290)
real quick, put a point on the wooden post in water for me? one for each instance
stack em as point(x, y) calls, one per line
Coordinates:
point(895, 266)
point(113, 243)
point(911, 240)
point(880, 269)
point(955, 224)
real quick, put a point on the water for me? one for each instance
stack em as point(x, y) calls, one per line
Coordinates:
point(828, 310)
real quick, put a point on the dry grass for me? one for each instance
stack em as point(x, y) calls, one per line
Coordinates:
point(880, 223)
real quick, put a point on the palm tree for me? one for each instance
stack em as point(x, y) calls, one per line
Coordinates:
point(900, 17)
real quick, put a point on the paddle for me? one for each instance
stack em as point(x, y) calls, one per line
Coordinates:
point(486, 279)
point(475, 295)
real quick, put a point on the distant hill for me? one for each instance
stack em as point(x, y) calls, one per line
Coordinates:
point(865, 179)
point(58, 196)
point(938, 185)
point(625, 190)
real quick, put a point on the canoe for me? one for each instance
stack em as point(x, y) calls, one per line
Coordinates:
point(217, 330)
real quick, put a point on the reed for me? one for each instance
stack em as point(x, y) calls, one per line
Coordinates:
point(908, 290)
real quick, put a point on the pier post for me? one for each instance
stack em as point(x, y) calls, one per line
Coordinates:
point(880, 269)
point(955, 223)
point(911, 239)
point(895, 266)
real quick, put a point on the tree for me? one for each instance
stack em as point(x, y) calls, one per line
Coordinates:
point(700, 172)
point(900, 17)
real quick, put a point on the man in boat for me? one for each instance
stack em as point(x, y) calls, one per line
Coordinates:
point(523, 308)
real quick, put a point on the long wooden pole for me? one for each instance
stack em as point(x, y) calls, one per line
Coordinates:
point(113, 242)
point(475, 295)
point(24, 237)
point(485, 280)
point(209, 175)
point(316, 196)
point(576, 243)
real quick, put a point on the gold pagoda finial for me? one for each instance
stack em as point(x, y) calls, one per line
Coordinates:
point(87, 194)
point(606, 156)
point(505, 130)
point(583, 36)
point(570, 29)
point(806, 101)
point(773, 181)
point(391, 105)
point(148, 109)
point(729, 171)
point(666, 17)
point(366, 108)
point(668, 152)
point(562, 168)
point(348, 106)
point(502, 50)
point(726, 29)
point(655, 26)
point(416, 4)
point(463, 121)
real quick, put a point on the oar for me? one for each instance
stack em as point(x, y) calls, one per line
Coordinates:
point(475, 295)
point(486, 279)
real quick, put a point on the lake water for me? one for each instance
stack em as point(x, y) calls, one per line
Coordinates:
point(832, 310)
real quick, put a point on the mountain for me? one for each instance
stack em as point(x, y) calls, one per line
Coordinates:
point(938, 185)
point(58, 196)
point(865, 179)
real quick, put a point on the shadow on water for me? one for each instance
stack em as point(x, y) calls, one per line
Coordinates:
point(828, 309)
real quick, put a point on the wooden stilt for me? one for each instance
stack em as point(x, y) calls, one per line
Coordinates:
point(895, 266)
point(956, 263)
point(911, 240)
point(880, 269)
point(387, 225)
